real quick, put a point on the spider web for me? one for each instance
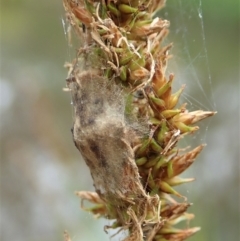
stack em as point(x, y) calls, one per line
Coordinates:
point(190, 51)
point(190, 63)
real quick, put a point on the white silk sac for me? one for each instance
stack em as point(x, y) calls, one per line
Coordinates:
point(104, 138)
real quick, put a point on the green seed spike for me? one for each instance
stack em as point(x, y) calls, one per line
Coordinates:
point(158, 102)
point(165, 87)
point(178, 180)
point(152, 184)
point(162, 132)
point(112, 8)
point(102, 31)
point(130, 23)
point(165, 187)
point(143, 149)
point(169, 113)
point(123, 73)
point(124, 8)
point(151, 162)
point(184, 128)
point(142, 23)
point(155, 146)
point(136, 63)
point(174, 98)
point(126, 58)
point(129, 106)
point(139, 15)
point(170, 230)
point(141, 161)
point(170, 169)
point(154, 191)
point(108, 73)
point(89, 7)
point(162, 161)
point(155, 121)
point(118, 50)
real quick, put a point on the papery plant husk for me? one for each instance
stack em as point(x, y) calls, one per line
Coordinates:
point(127, 120)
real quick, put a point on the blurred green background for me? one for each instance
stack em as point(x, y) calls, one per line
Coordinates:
point(41, 168)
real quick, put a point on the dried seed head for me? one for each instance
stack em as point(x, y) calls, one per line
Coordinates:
point(122, 53)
